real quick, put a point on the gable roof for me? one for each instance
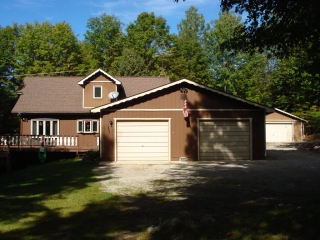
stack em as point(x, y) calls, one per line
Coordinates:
point(290, 115)
point(97, 72)
point(64, 94)
point(50, 95)
point(98, 109)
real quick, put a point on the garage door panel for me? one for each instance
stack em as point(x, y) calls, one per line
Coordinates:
point(142, 140)
point(141, 158)
point(144, 149)
point(229, 128)
point(148, 144)
point(227, 138)
point(142, 134)
point(225, 148)
point(222, 133)
point(136, 129)
point(225, 144)
point(145, 123)
point(224, 140)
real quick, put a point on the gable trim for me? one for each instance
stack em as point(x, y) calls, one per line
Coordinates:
point(99, 71)
point(290, 115)
point(98, 109)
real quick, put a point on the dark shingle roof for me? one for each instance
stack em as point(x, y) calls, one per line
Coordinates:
point(64, 94)
point(136, 85)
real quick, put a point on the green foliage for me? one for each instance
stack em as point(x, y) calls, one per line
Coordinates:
point(44, 48)
point(189, 59)
point(92, 156)
point(312, 115)
point(103, 41)
point(279, 26)
point(238, 72)
point(292, 89)
point(148, 37)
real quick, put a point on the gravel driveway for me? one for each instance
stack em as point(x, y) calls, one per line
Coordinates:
point(289, 174)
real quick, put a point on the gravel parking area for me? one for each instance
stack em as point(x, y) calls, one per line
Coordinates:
point(289, 174)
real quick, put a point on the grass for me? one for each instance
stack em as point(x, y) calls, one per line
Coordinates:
point(63, 200)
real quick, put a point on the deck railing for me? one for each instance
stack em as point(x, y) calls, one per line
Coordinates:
point(37, 140)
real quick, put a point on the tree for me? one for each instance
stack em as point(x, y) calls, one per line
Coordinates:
point(235, 71)
point(103, 40)
point(148, 36)
point(8, 83)
point(189, 59)
point(44, 48)
point(279, 27)
point(129, 64)
point(292, 88)
point(193, 27)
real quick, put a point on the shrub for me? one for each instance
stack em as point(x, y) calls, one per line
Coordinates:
point(92, 156)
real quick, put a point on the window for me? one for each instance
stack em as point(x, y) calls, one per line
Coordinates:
point(44, 127)
point(97, 91)
point(87, 126)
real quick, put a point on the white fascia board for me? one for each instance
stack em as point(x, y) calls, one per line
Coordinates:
point(104, 73)
point(98, 109)
point(290, 115)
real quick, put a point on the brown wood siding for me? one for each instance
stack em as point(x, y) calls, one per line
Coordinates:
point(107, 87)
point(297, 125)
point(67, 126)
point(172, 98)
point(184, 139)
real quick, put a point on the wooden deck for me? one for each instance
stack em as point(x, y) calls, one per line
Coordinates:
point(32, 143)
point(58, 143)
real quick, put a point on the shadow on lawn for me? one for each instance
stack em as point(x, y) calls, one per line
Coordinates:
point(218, 201)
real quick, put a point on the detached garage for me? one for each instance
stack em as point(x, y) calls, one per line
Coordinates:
point(182, 120)
point(284, 127)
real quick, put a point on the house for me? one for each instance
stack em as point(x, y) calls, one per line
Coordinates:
point(284, 127)
point(56, 110)
point(143, 119)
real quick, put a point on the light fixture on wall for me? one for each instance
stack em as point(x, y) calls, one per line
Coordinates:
point(110, 122)
point(25, 119)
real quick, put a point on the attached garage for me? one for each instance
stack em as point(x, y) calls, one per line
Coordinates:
point(142, 140)
point(224, 139)
point(154, 126)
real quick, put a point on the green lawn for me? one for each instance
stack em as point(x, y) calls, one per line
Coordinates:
point(63, 200)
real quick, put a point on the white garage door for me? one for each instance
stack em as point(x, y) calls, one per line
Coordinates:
point(224, 140)
point(279, 132)
point(142, 140)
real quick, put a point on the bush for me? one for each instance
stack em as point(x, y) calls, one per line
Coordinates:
point(92, 156)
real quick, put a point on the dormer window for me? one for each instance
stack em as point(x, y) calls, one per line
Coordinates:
point(97, 92)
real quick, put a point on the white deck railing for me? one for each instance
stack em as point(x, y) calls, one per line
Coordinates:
point(37, 140)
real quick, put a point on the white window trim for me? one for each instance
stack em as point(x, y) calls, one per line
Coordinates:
point(51, 126)
point(91, 125)
point(94, 88)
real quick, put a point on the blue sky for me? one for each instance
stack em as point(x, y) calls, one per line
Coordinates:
point(77, 12)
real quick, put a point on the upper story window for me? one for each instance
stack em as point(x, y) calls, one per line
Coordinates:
point(97, 92)
point(45, 127)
